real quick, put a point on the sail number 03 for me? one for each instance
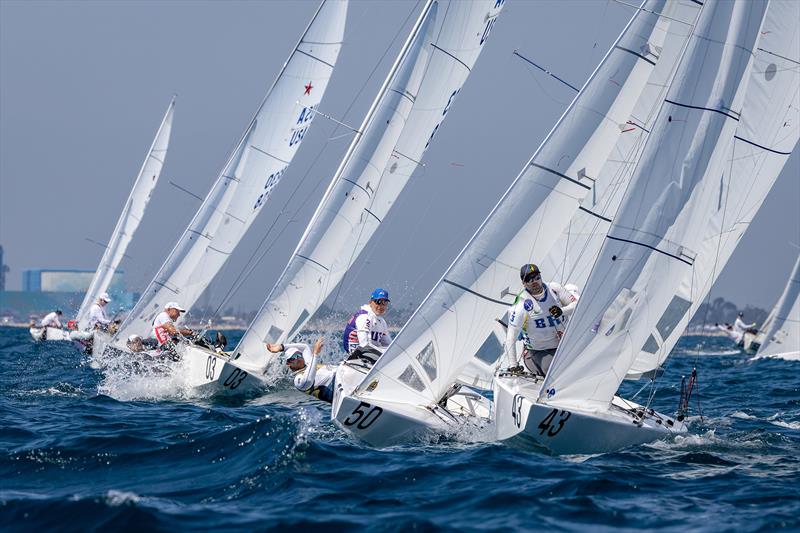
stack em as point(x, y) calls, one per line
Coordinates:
point(362, 417)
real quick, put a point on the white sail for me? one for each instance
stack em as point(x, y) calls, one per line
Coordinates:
point(253, 170)
point(782, 339)
point(372, 176)
point(448, 330)
point(131, 215)
point(654, 239)
point(765, 137)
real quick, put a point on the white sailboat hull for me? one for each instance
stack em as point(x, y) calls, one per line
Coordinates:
point(521, 419)
point(786, 356)
point(383, 423)
point(211, 373)
point(49, 334)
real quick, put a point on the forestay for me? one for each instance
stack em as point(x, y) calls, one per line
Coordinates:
point(765, 137)
point(131, 215)
point(654, 238)
point(373, 174)
point(251, 173)
point(783, 335)
point(454, 322)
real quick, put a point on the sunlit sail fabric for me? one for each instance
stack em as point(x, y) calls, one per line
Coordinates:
point(783, 335)
point(131, 215)
point(361, 194)
point(453, 322)
point(655, 238)
point(253, 170)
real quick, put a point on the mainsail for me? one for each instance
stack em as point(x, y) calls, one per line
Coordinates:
point(764, 139)
point(783, 336)
point(453, 324)
point(374, 172)
point(253, 170)
point(654, 239)
point(131, 215)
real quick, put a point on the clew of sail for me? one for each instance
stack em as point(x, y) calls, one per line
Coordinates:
point(359, 197)
point(256, 166)
point(765, 137)
point(131, 215)
point(783, 336)
point(654, 239)
point(453, 325)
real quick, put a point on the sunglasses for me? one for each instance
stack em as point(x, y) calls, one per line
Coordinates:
point(381, 302)
point(532, 277)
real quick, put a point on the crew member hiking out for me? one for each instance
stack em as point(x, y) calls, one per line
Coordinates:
point(164, 329)
point(366, 331)
point(310, 376)
point(539, 315)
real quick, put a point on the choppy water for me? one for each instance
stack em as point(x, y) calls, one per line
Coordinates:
point(84, 450)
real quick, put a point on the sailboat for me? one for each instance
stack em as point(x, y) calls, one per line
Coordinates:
point(414, 100)
point(428, 377)
point(781, 337)
point(128, 222)
point(249, 176)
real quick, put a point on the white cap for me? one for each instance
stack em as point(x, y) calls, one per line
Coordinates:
point(134, 338)
point(104, 297)
point(174, 305)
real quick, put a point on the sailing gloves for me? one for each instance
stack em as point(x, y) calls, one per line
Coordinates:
point(556, 311)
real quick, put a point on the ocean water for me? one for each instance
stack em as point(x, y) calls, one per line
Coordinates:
point(86, 449)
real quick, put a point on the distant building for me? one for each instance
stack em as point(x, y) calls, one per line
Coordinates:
point(44, 290)
point(3, 269)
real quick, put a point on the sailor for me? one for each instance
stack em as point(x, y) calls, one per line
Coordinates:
point(310, 376)
point(135, 343)
point(742, 328)
point(164, 329)
point(52, 320)
point(97, 313)
point(366, 331)
point(539, 315)
point(730, 331)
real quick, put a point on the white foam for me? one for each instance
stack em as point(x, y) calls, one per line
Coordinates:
point(116, 498)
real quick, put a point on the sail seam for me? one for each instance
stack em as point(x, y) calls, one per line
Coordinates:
point(637, 54)
point(557, 173)
point(315, 57)
point(157, 159)
point(404, 95)
point(198, 233)
point(479, 295)
point(451, 55)
point(601, 217)
point(315, 262)
point(257, 149)
point(760, 146)
point(690, 263)
point(702, 109)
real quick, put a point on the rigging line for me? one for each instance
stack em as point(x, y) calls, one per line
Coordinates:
point(516, 53)
point(249, 266)
point(640, 8)
point(187, 191)
point(98, 243)
point(348, 126)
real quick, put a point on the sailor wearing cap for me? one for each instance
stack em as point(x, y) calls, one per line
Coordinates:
point(366, 330)
point(52, 320)
point(164, 329)
point(310, 376)
point(97, 313)
point(741, 327)
point(539, 313)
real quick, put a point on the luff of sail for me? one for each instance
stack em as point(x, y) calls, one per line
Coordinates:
point(455, 319)
point(341, 227)
point(654, 238)
point(782, 339)
point(765, 137)
point(265, 151)
point(131, 215)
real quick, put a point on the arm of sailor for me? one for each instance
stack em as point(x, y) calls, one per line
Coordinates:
point(515, 321)
point(568, 300)
point(364, 331)
point(305, 380)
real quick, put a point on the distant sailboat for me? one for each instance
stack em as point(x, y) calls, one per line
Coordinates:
point(128, 222)
point(421, 382)
point(245, 184)
point(781, 337)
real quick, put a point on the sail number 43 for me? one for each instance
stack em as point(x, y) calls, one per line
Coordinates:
point(551, 425)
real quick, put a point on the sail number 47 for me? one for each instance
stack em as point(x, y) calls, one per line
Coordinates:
point(551, 425)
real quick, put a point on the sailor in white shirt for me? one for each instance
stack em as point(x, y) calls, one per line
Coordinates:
point(52, 320)
point(97, 313)
point(732, 334)
point(310, 376)
point(539, 313)
point(164, 329)
point(742, 328)
point(366, 330)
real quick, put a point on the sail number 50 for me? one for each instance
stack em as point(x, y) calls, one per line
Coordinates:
point(551, 425)
point(362, 417)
